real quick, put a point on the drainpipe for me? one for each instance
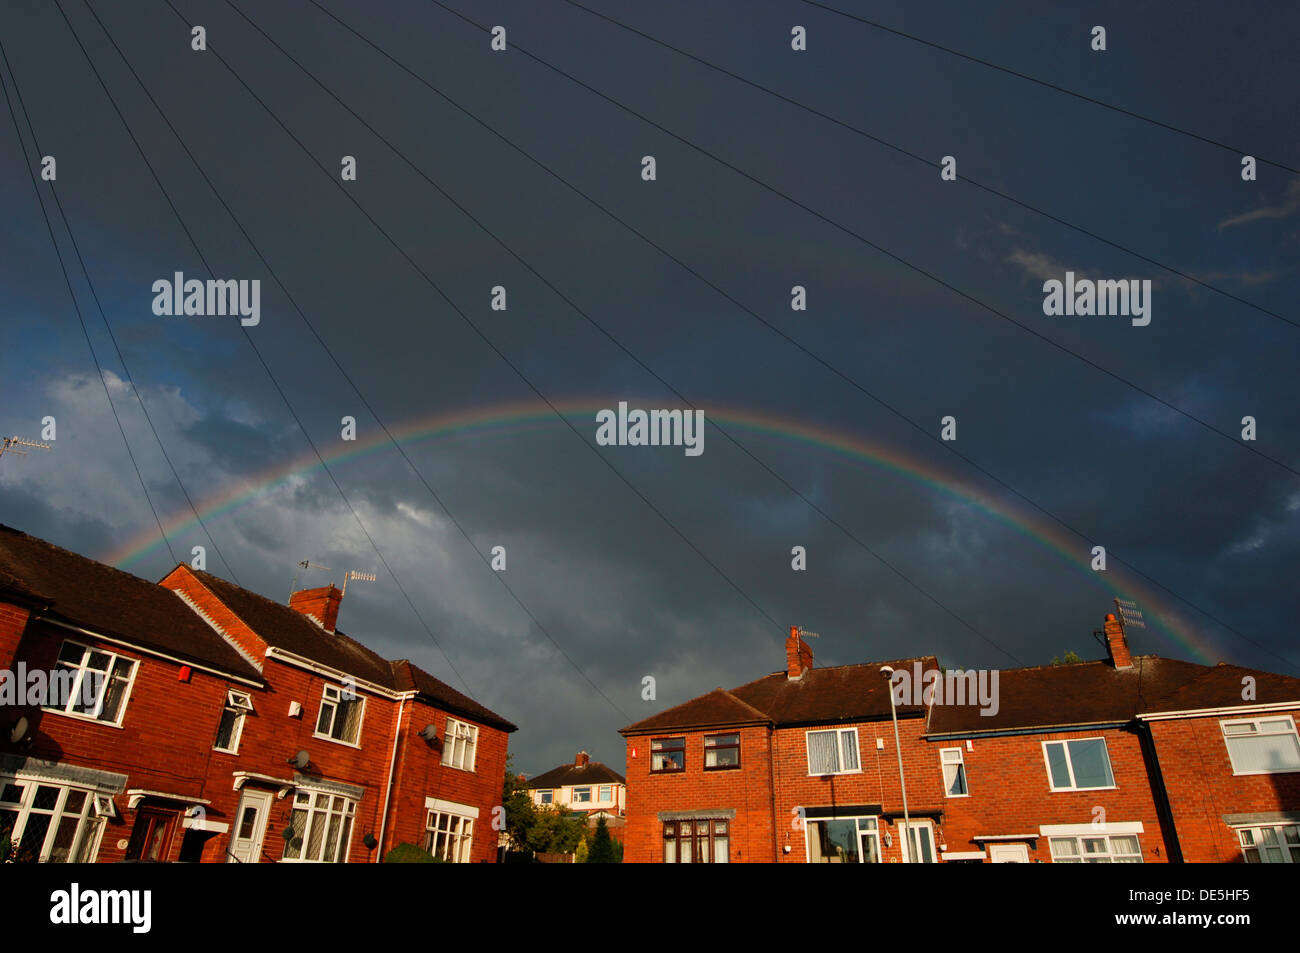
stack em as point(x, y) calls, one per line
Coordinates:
point(392, 770)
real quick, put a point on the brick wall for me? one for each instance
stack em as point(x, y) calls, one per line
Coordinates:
point(1010, 792)
point(1202, 788)
point(747, 790)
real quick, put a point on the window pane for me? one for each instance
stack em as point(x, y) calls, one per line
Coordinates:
point(226, 730)
point(849, 750)
point(1091, 766)
point(325, 719)
point(823, 753)
point(1265, 753)
point(1057, 765)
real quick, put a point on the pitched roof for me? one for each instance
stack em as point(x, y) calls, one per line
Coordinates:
point(1082, 693)
point(409, 676)
point(82, 592)
point(286, 628)
point(593, 772)
point(822, 695)
point(1221, 686)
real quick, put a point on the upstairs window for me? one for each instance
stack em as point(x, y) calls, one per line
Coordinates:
point(832, 752)
point(91, 683)
point(721, 752)
point(1079, 765)
point(1262, 745)
point(340, 715)
point(231, 728)
point(605, 793)
point(954, 772)
point(547, 797)
point(667, 755)
point(582, 795)
point(460, 745)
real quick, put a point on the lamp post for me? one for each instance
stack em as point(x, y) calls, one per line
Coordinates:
point(888, 674)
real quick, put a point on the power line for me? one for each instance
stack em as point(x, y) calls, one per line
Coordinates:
point(67, 225)
point(1052, 86)
point(495, 349)
point(420, 476)
point(877, 247)
point(931, 164)
point(847, 378)
point(572, 304)
point(71, 293)
point(275, 383)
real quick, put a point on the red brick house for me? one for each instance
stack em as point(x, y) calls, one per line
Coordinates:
point(1126, 759)
point(798, 766)
point(1229, 761)
point(224, 726)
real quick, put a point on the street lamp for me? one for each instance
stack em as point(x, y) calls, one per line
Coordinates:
point(888, 673)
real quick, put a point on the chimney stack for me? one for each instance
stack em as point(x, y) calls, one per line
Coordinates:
point(321, 604)
point(798, 656)
point(582, 760)
point(1117, 642)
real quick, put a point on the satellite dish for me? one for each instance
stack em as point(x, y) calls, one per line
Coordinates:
point(19, 729)
point(301, 759)
point(430, 732)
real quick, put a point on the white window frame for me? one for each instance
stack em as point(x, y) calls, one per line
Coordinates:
point(74, 694)
point(1069, 764)
point(461, 737)
point(918, 825)
point(332, 695)
point(839, 751)
point(546, 796)
point(606, 793)
point(458, 834)
point(242, 704)
point(90, 823)
point(321, 814)
point(871, 829)
point(1080, 857)
point(946, 761)
point(1255, 723)
point(581, 800)
point(1290, 849)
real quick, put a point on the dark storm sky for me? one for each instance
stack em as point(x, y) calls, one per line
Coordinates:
point(618, 588)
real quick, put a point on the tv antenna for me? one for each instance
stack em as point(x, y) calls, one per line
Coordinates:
point(354, 574)
point(305, 564)
point(11, 444)
point(805, 633)
point(1129, 614)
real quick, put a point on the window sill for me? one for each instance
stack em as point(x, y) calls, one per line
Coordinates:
point(332, 740)
point(832, 774)
point(1113, 787)
point(1242, 774)
point(77, 716)
point(722, 767)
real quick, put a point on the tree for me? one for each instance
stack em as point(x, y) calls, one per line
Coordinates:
point(555, 830)
point(410, 854)
point(1070, 658)
point(521, 816)
point(580, 854)
point(602, 846)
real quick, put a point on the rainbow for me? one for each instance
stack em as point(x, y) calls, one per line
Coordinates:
point(508, 418)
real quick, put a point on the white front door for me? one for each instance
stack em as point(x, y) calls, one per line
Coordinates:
point(250, 827)
point(1008, 854)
